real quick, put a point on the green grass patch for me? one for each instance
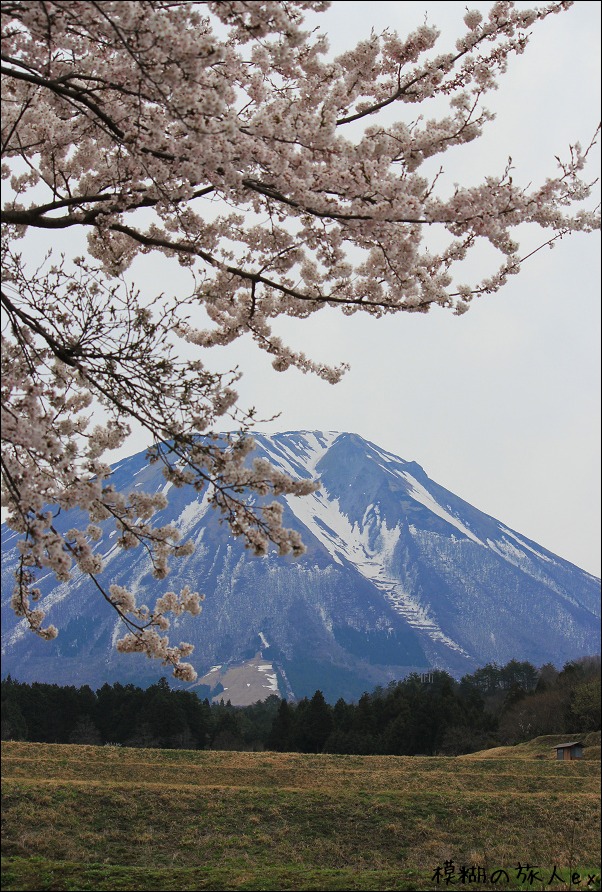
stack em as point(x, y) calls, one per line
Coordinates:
point(542, 748)
point(115, 818)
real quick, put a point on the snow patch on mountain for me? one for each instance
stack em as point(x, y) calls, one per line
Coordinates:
point(58, 594)
point(326, 621)
point(523, 544)
point(270, 676)
point(523, 561)
point(422, 495)
point(344, 540)
point(350, 542)
point(418, 616)
point(193, 513)
point(297, 454)
point(382, 455)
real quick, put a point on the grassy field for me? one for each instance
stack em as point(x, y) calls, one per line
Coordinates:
point(109, 818)
point(541, 748)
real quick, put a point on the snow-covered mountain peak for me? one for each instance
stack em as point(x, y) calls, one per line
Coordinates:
point(296, 452)
point(400, 575)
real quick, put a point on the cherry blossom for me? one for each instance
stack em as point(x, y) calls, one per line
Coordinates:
point(224, 135)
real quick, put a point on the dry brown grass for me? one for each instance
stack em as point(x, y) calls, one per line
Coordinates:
point(542, 748)
point(289, 819)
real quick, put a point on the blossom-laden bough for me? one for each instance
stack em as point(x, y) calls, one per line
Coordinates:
point(221, 134)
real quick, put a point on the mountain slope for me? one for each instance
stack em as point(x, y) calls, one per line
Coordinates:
point(399, 575)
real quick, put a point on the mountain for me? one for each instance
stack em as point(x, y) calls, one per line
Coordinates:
point(400, 575)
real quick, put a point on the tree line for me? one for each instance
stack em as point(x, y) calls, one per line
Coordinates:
point(422, 714)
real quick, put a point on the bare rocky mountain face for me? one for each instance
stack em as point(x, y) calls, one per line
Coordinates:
point(400, 575)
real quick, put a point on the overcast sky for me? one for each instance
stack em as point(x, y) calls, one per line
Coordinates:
point(502, 404)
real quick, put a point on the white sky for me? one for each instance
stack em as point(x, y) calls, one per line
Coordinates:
point(502, 404)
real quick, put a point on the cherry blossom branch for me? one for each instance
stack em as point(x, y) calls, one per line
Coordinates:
point(216, 134)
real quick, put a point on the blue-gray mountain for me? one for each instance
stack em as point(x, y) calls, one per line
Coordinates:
point(400, 575)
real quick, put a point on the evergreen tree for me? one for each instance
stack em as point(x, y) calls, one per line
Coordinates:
point(13, 724)
point(280, 737)
point(317, 724)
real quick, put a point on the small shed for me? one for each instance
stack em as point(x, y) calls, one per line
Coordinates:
point(568, 751)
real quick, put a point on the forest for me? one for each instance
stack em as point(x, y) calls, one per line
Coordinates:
point(431, 714)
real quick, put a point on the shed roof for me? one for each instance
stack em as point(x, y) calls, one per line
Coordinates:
point(562, 746)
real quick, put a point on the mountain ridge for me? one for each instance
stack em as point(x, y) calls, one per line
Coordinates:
point(400, 575)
